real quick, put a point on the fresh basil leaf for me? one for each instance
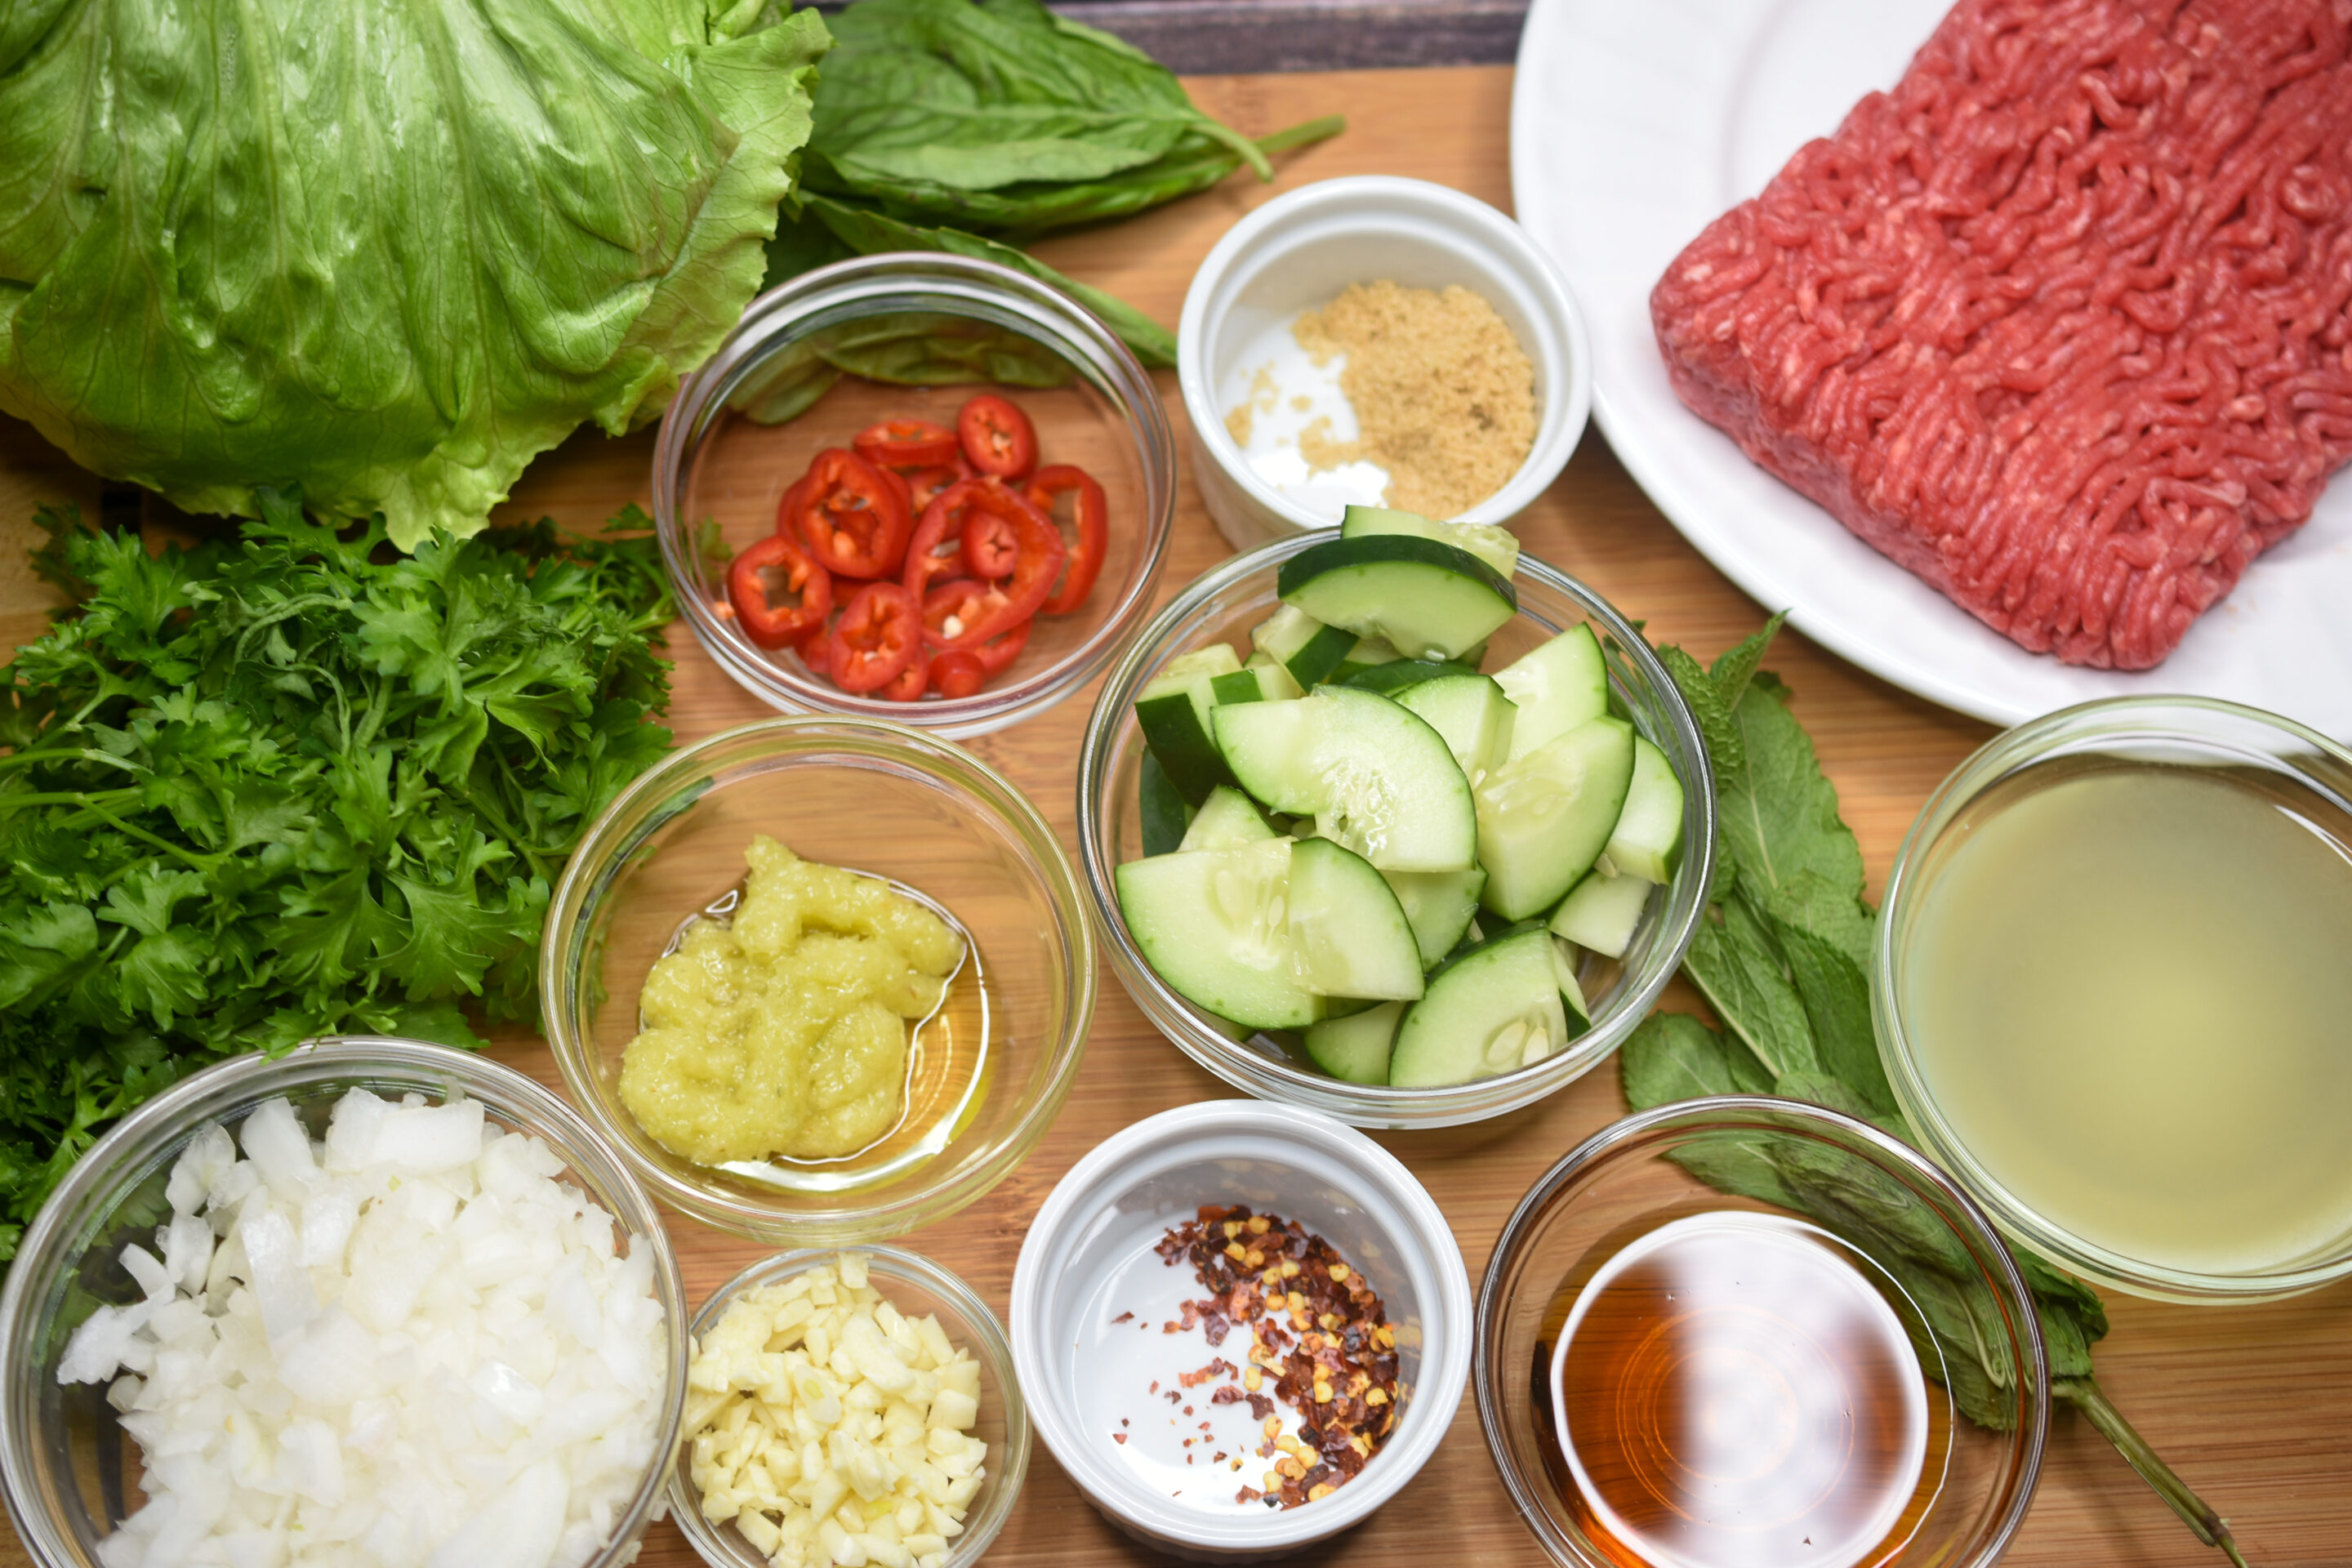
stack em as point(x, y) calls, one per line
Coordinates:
point(869, 232)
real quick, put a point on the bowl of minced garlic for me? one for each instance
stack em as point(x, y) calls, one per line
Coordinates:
point(847, 1408)
point(1378, 342)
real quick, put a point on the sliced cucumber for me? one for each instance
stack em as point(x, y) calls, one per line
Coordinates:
point(1395, 679)
point(1571, 994)
point(1495, 1009)
point(1363, 654)
point(1558, 687)
point(1439, 906)
point(1165, 815)
point(1494, 546)
point(1375, 777)
point(1275, 683)
point(1542, 819)
point(1301, 644)
point(1348, 928)
point(1173, 713)
point(1473, 714)
point(1648, 839)
point(1428, 600)
point(1355, 1049)
point(1601, 913)
point(1226, 820)
point(1214, 924)
point(1267, 682)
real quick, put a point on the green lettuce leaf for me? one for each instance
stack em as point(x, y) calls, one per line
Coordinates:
point(387, 249)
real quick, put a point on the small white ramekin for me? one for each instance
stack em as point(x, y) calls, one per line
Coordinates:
point(1123, 1197)
point(1299, 250)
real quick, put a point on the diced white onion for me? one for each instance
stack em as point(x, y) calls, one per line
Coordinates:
point(411, 1347)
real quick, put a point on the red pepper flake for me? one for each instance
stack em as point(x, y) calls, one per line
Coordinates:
point(1155, 1385)
point(1124, 1318)
point(1118, 1436)
point(1248, 1494)
point(1319, 1330)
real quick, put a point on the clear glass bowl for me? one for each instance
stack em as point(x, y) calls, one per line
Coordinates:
point(1222, 604)
point(876, 797)
point(1623, 1184)
point(2289, 760)
point(719, 472)
point(914, 1285)
point(70, 1470)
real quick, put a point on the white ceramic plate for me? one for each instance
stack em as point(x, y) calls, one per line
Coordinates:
point(1634, 124)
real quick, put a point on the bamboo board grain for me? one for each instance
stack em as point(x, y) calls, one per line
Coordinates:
point(2253, 1404)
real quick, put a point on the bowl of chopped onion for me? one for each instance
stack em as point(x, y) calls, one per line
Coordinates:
point(918, 1456)
point(376, 1293)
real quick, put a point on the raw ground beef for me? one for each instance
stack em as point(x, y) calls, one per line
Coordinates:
point(2063, 323)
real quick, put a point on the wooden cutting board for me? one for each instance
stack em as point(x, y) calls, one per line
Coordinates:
point(2253, 1404)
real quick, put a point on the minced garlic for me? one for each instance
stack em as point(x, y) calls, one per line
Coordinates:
point(832, 1429)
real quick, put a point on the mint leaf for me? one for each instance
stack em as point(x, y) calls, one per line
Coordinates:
point(1837, 1003)
point(1672, 1056)
point(1732, 962)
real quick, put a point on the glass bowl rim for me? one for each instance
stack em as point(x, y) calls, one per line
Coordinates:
point(1378, 1105)
point(1095, 353)
point(910, 1202)
point(2068, 731)
point(982, 1526)
point(1626, 1136)
point(120, 1153)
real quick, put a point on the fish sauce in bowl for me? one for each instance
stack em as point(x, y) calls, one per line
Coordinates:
point(1739, 1390)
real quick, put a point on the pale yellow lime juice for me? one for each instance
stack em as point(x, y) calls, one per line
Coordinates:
point(2130, 994)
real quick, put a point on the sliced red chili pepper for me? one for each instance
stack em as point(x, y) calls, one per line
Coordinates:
point(991, 547)
point(878, 636)
point(1037, 564)
point(749, 589)
point(812, 654)
point(794, 493)
point(909, 684)
point(957, 613)
point(905, 444)
point(929, 559)
point(853, 519)
point(997, 437)
point(926, 484)
point(1093, 519)
point(957, 674)
point(1004, 647)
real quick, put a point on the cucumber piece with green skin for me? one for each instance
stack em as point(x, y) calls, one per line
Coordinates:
point(1266, 683)
point(1571, 994)
point(1275, 683)
point(1496, 546)
point(1493, 1010)
point(1363, 654)
point(1395, 678)
point(1558, 687)
point(1355, 1049)
point(1425, 599)
point(1439, 906)
point(1301, 644)
point(1166, 817)
point(1543, 819)
point(1473, 714)
point(1173, 713)
point(1215, 925)
point(1601, 913)
point(1349, 932)
point(1226, 820)
point(1647, 841)
point(1373, 776)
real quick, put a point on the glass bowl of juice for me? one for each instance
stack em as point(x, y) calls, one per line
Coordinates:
point(821, 363)
point(2111, 984)
point(981, 1068)
point(1841, 1368)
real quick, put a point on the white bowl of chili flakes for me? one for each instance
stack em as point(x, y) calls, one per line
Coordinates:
point(1241, 1328)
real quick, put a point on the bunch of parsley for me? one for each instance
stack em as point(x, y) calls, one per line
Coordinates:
point(295, 784)
point(1782, 956)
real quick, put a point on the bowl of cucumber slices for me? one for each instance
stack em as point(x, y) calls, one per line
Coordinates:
point(1395, 822)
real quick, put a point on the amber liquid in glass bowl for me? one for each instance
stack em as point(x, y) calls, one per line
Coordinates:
point(1740, 1391)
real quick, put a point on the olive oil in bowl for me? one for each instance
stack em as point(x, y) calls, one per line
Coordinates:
point(2126, 994)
